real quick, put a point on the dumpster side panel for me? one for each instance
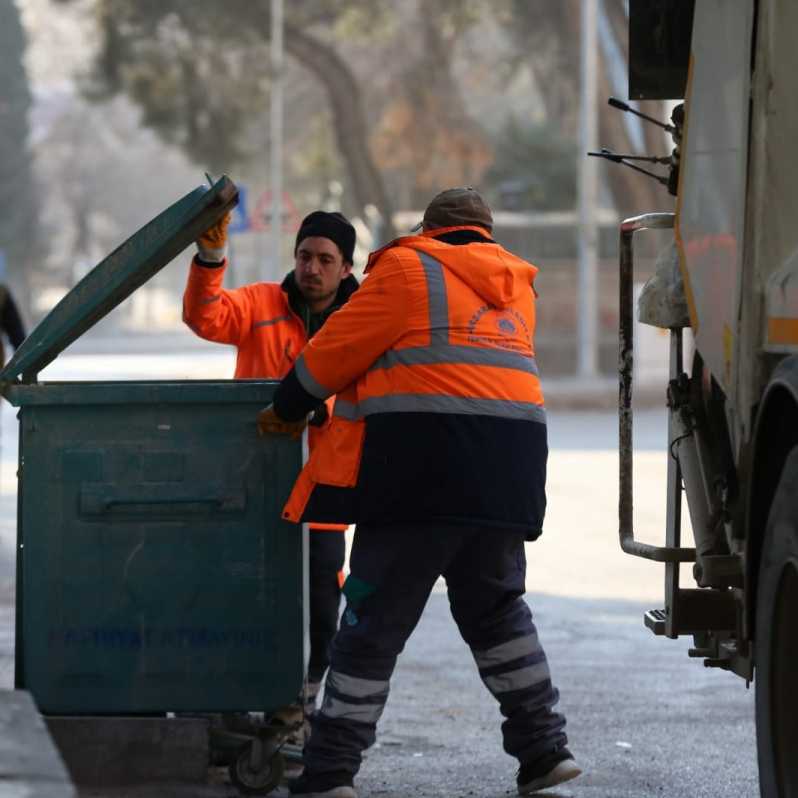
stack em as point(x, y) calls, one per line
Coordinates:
point(158, 574)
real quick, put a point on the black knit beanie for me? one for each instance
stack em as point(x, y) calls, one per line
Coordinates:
point(334, 226)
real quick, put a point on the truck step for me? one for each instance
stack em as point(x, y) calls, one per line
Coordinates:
point(655, 620)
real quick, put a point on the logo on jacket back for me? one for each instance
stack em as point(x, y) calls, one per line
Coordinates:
point(507, 328)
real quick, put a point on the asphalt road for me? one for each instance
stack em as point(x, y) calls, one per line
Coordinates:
point(644, 720)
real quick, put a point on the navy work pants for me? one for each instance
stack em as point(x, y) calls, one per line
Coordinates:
point(392, 572)
point(327, 552)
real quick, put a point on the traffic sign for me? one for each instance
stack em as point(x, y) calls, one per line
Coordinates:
point(260, 220)
point(240, 220)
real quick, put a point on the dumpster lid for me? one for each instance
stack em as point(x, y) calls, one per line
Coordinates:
point(116, 277)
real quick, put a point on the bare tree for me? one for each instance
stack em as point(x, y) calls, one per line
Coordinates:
point(20, 235)
point(177, 62)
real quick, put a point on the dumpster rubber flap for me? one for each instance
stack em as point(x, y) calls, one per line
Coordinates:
point(116, 277)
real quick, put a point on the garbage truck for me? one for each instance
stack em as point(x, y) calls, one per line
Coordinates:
point(729, 282)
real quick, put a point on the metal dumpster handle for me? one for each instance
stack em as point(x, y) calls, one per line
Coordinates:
point(629, 227)
point(133, 501)
point(159, 499)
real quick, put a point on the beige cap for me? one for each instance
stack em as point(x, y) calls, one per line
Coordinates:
point(455, 207)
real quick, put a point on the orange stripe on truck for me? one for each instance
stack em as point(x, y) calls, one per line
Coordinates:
point(783, 331)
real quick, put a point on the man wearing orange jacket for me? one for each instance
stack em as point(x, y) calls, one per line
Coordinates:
point(270, 323)
point(438, 442)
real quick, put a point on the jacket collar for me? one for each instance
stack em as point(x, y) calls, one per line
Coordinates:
point(462, 234)
point(297, 303)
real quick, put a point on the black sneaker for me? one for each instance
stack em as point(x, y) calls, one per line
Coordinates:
point(325, 785)
point(547, 772)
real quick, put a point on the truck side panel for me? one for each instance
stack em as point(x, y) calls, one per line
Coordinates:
point(710, 211)
point(769, 300)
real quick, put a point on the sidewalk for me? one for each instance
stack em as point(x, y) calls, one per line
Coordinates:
point(599, 393)
point(8, 529)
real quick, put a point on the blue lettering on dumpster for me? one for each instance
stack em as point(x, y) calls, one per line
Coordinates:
point(133, 639)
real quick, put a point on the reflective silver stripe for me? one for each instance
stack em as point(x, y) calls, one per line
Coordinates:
point(521, 679)
point(465, 405)
point(210, 300)
point(456, 355)
point(269, 322)
point(439, 350)
point(507, 652)
point(348, 410)
point(436, 299)
point(363, 713)
point(308, 382)
point(356, 687)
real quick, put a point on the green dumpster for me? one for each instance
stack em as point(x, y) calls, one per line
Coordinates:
point(154, 572)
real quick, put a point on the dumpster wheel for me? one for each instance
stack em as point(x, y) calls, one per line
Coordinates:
point(257, 769)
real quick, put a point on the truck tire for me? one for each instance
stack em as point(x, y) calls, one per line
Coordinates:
point(777, 642)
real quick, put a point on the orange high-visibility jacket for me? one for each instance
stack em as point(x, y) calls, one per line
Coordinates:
point(259, 321)
point(439, 411)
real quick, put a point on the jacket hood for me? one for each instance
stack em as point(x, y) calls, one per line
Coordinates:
point(497, 275)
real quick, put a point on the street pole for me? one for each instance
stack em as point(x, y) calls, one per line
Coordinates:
point(276, 149)
point(587, 319)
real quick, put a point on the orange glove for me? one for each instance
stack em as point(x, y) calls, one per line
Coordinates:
point(212, 244)
point(269, 423)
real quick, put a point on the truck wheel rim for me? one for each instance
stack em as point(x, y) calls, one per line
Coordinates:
point(784, 695)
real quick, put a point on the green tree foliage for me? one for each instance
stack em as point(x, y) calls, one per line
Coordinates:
point(546, 36)
point(199, 70)
point(425, 138)
point(19, 230)
point(534, 168)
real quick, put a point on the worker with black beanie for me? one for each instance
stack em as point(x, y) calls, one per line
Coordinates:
point(332, 225)
point(270, 323)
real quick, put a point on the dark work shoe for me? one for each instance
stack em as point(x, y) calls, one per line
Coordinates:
point(547, 772)
point(323, 785)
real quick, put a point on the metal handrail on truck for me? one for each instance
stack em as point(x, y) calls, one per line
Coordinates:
point(648, 221)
